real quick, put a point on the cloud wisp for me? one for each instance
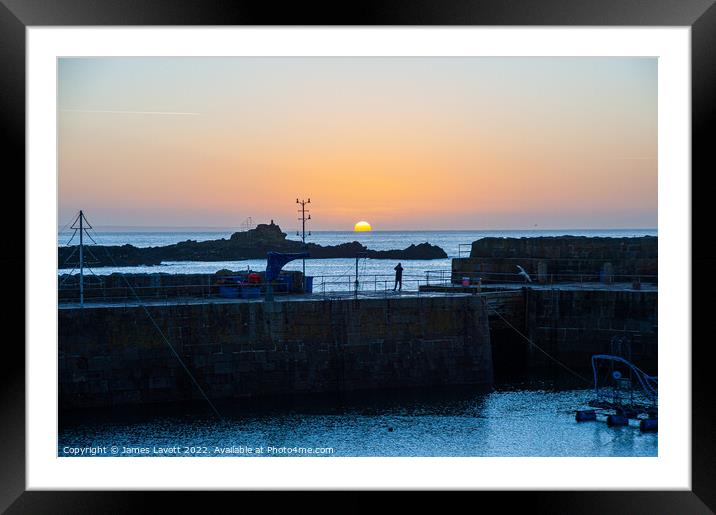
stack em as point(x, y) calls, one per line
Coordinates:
point(110, 111)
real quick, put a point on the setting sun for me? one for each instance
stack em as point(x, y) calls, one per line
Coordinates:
point(362, 226)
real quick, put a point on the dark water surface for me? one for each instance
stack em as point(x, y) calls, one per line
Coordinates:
point(512, 420)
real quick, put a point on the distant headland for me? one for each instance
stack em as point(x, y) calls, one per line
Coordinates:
point(251, 244)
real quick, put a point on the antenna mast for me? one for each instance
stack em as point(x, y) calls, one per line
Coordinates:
point(81, 224)
point(247, 224)
point(303, 219)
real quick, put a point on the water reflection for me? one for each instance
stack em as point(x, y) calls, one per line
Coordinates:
point(508, 421)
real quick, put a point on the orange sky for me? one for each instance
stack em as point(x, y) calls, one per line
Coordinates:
point(404, 143)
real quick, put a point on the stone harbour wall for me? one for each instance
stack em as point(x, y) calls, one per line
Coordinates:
point(572, 325)
point(110, 356)
point(560, 259)
point(119, 286)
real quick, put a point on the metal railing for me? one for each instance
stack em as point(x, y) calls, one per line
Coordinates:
point(464, 248)
point(368, 284)
point(448, 276)
point(324, 286)
point(431, 283)
point(438, 277)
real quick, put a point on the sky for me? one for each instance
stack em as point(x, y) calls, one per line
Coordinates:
point(414, 143)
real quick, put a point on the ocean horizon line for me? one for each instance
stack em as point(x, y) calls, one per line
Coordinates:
point(159, 228)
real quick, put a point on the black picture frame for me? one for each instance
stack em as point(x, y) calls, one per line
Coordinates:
point(16, 15)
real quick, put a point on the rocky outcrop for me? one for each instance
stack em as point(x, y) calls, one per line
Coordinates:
point(252, 244)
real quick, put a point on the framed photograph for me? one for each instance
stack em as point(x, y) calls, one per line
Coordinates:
point(418, 249)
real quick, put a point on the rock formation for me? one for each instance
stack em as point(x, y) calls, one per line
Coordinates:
point(252, 244)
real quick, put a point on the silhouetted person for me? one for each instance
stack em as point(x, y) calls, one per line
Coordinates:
point(398, 277)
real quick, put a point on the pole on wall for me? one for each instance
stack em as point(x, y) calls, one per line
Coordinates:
point(304, 217)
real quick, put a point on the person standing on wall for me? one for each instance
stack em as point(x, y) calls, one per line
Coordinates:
point(398, 277)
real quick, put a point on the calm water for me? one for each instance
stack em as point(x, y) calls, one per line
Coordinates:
point(509, 421)
point(372, 270)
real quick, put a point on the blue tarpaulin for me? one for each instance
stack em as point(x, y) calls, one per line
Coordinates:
point(276, 260)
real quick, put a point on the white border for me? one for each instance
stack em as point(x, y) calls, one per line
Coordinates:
point(671, 470)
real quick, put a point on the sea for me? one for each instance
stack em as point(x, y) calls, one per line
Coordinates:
point(330, 274)
point(530, 418)
point(534, 419)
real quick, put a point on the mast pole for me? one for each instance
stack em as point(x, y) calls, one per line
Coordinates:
point(82, 262)
point(303, 220)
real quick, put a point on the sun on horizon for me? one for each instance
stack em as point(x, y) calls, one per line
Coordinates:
point(169, 141)
point(362, 226)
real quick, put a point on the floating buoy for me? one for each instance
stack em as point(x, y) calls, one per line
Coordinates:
point(617, 420)
point(628, 413)
point(585, 415)
point(649, 425)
